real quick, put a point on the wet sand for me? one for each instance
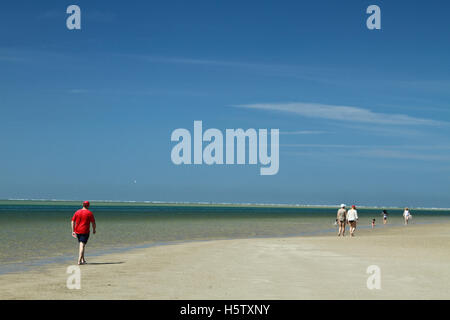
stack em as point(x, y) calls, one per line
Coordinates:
point(414, 263)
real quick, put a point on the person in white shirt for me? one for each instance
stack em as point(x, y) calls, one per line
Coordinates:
point(406, 215)
point(352, 218)
point(385, 216)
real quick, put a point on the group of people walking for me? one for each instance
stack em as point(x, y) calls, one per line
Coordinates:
point(83, 218)
point(347, 217)
point(350, 217)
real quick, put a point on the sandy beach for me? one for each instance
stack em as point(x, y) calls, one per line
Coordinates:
point(413, 261)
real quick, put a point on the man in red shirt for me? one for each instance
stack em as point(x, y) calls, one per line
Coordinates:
point(81, 223)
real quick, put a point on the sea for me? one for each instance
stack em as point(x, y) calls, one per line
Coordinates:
point(36, 234)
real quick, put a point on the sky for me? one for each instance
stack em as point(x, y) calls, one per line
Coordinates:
point(363, 115)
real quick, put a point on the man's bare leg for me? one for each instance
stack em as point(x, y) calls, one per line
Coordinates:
point(81, 253)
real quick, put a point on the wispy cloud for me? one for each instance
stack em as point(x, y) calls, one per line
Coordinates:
point(354, 146)
point(373, 154)
point(408, 152)
point(326, 75)
point(302, 72)
point(210, 62)
point(148, 92)
point(304, 132)
point(400, 154)
point(191, 61)
point(341, 113)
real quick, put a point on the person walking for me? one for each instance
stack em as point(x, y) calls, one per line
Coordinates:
point(340, 219)
point(81, 224)
point(385, 215)
point(352, 218)
point(406, 215)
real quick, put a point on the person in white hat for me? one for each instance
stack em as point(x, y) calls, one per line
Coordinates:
point(340, 218)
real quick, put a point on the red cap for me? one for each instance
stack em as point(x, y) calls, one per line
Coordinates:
point(86, 204)
point(353, 206)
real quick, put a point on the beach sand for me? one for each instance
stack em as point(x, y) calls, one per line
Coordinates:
point(414, 263)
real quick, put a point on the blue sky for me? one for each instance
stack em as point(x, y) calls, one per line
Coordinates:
point(364, 115)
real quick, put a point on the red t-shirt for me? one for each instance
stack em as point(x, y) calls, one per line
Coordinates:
point(82, 219)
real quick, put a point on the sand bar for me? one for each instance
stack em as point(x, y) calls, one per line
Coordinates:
point(414, 263)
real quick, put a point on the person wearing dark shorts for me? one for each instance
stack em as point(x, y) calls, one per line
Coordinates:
point(81, 225)
point(83, 237)
point(352, 218)
point(385, 216)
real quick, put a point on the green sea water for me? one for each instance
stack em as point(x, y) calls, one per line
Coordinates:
point(35, 232)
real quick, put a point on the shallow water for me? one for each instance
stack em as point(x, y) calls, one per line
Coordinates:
point(30, 233)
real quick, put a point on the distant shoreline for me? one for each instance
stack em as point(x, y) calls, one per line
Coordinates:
point(193, 204)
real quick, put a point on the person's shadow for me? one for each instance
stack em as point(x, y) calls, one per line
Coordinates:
point(99, 263)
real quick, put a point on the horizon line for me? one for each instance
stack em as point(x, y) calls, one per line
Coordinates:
point(223, 203)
